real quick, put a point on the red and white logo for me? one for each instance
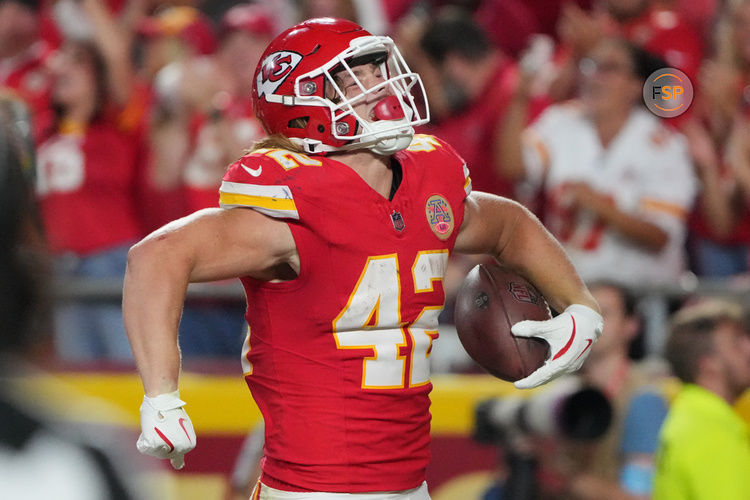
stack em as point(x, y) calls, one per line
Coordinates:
point(274, 70)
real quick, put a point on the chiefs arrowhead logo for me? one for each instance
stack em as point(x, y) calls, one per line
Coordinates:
point(274, 70)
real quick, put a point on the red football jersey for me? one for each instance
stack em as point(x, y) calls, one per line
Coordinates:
point(87, 184)
point(338, 358)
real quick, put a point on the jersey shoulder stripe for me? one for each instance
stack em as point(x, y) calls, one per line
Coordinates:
point(430, 144)
point(467, 180)
point(272, 200)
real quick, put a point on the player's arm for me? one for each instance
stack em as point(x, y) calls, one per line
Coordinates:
point(209, 245)
point(506, 230)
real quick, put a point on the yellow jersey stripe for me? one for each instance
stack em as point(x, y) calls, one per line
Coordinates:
point(235, 199)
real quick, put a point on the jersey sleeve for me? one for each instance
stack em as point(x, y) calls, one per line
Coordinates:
point(261, 183)
point(447, 161)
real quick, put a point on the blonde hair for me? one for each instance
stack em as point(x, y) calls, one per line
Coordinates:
point(276, 141)
point(691, 333)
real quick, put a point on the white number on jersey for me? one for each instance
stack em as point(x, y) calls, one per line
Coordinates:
point(372, 320)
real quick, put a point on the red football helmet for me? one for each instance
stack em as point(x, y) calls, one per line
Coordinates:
point(295, 93)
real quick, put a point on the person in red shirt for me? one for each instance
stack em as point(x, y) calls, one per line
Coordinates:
point(470, 83)
point(339, 225)
point(89, 177)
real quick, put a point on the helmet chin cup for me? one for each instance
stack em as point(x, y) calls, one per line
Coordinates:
point(389, 142)
point(386, 147)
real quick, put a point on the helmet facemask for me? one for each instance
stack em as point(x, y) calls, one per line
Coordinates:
point(389, 128)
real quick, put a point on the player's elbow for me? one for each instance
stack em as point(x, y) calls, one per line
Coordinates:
point(156, 253)
point(139, 256)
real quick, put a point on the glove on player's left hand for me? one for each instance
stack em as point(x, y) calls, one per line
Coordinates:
point(570, 336)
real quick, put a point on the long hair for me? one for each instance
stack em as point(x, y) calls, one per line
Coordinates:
point(101, 92)
point(276, 141)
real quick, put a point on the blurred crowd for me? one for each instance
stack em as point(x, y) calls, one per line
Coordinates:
point(138, 106)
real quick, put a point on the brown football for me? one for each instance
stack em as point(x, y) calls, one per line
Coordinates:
point(491, 299)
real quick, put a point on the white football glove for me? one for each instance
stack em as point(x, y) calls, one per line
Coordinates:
point(569, 335)
point(166, 430)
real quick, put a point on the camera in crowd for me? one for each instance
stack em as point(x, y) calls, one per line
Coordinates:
point(566, 409)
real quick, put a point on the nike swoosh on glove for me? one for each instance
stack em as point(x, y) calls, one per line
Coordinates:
point(569, 335)
point(166, 430)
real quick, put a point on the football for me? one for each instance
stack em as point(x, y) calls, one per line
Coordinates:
point(491, 299)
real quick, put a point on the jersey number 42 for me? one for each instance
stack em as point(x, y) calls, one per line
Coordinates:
point(372, 320)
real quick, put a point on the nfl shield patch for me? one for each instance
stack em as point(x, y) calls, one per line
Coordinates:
point(398, 221)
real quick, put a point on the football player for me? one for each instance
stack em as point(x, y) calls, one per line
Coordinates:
point(339, 225)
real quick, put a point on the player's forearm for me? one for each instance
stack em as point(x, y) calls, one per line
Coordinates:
point(533, 251)
point(153, 294)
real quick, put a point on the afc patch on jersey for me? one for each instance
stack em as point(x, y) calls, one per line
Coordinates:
point(439, 216)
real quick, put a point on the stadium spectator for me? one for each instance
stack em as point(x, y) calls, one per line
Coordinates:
point(175, 43)
point(205, 123)
point(22, 57)
point(719, 242)
point(469, 82)
point(704, 449)
point(323, 222)
point(223, 121)
point(718, 139)
point(617, 184)
point(620, 464)
point(650, 24)
point(510, 24)
point(88, 181)
point(174, 33)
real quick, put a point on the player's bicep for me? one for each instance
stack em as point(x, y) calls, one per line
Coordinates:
point(227, 243)
point(488, 223)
